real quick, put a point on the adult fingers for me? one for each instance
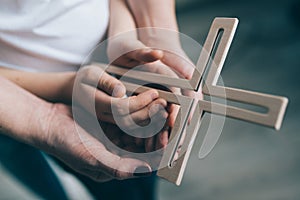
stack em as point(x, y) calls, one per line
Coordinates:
point(145, 55)
point(97, 175)
point(102, 160)
point(179, 63)
point(136, 50)
point(132, 52)
point(123, 168)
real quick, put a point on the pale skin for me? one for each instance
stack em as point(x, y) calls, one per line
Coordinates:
point(149, 47)
point(149, 43)
point(50, 127)
point(57, 87)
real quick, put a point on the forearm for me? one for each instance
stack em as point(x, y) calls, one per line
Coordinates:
point(56, 87)
point(154, 16)
point(21, 113)
point(121, 19)
point(154, 13)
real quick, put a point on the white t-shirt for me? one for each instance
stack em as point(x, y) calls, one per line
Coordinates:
point(50, 35)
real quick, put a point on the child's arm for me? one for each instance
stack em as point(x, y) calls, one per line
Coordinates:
point(94, 89)
point(55, 87)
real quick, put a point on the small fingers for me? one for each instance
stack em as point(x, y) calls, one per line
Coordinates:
point(145, 114)
point(91, 98)
point(133, 103)
point(111, 86)
point(153, 112)
point(97, 78)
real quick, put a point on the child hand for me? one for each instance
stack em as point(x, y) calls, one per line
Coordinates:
point(102, 94)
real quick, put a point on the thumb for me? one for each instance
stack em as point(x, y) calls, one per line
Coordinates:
point(122, 167)
point(103, 164)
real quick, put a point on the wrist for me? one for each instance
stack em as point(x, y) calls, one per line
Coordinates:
point(65, 90)
point(154, 13)
point(164, 39)
point(29, 124)
point(121, 20)
point(39, 125)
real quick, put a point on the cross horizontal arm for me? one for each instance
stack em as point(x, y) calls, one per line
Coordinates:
point(276, 105)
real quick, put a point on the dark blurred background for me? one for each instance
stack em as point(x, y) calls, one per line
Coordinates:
point(249, 161)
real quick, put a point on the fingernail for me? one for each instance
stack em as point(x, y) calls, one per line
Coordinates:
point(142, 171)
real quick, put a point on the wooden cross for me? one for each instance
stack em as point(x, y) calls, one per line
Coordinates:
point(216, 45)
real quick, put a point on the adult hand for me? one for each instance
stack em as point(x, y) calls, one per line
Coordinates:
point(127, 51)
point(168, 41)
point(51, 128)
point(146, 31)
point(87, 155)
